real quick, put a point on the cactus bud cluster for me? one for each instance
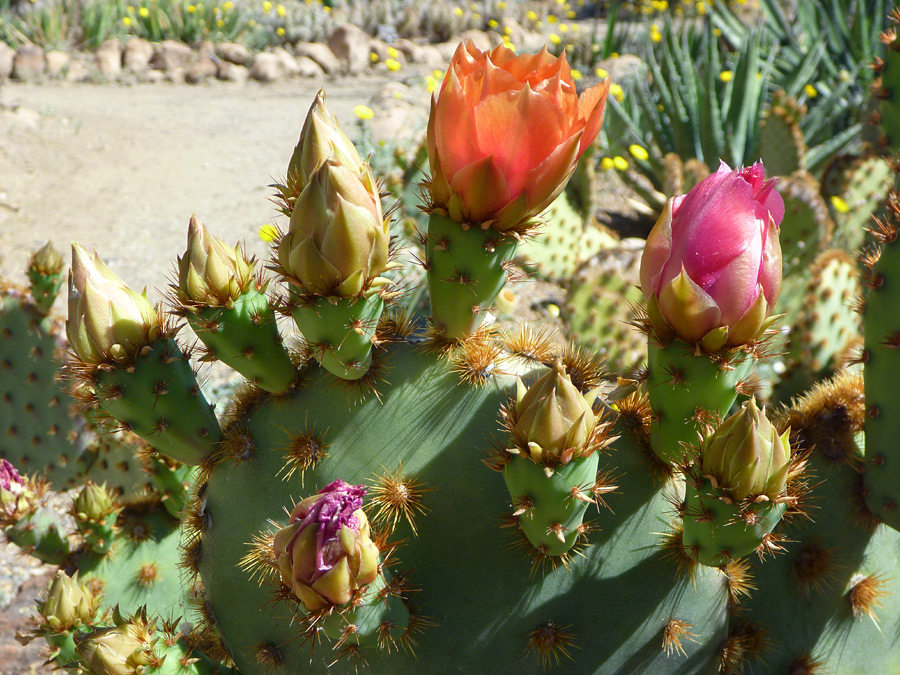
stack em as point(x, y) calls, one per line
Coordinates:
point(553, 418)
point(326, 552)
point(69, 604)
point(108, 322)
point(746, 456)
point(211, 272)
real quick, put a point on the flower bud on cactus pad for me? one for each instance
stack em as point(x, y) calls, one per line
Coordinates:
point(711, 269)
point(211, 272)
point(125, 649)
point(338, 237)
point(553, 418)
point(746, 456)
point(93, 503)
point(45, 275)
point(326, 553)
point(12, 491)
point(69, 604)
point(108, 322)
point(322, 138)
point(46, 260)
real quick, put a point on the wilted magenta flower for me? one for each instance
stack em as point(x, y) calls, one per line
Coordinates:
point(711, 269)
point(326, 552)
point(13, 497)
point(9, 477)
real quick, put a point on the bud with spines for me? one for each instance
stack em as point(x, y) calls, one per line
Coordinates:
point(45, 272)
point(553, 464)
point(228, 310)
point(325, 554)
point(27, 521)
point(95, 515)
point(69, 604)
point(108, 322)
point(737, 490)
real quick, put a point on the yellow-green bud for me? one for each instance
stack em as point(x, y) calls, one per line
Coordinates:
point(122, 650)
point(553, 418)
point(108, 322)
point(321, 138)
point(326, 551)
point(338, 238)
point(93, 503)
point(69, 604)
point(46, 260)
point(746, 456)
point(211, 272)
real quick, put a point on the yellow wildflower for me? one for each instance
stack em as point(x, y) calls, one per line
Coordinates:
point(617, 92)
point(281, 11)
point(810, 91)
point(393, 65)
point(638, 152)
point(620, 163)
point(363, 112)
point(607, 164)
point(726, 76)
point(268, 233)
point(555, 39)
point(457, 11)
point(839, 204)
point(532, 15)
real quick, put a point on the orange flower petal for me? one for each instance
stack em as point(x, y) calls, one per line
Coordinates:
point(547, 180)
point(483, 188)
point(591, 105)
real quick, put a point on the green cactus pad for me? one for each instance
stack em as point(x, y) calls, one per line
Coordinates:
point(339, 332)
point(563, 242)
point(44, 289)
point(687, 390)
point(38, 432)
point(479, 606)
point(159, 399)
point(807, 227)
point(42, 535)
point(599, 304)
point(466, 271)
point(246, 338)
point(868, 184)
point(781, 145)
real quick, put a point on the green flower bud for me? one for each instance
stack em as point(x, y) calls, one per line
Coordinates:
point(322, 138)
point(553, 418)
point(326, 551)
point(211, 272)
point(108, 322)
point(93, 503)
point(46, 260)
point(746, 457)
point(338, 238)
point(69, 604)
point(125, 649)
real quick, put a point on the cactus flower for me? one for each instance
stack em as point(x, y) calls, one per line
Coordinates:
point(108, 322)
point(553, 418)
point(326, 553)
point(711, 269)
point(321, 138)
point(746, 457)
point(338, 237)
point(68, 604)
point(211, 272)
point(505, 133)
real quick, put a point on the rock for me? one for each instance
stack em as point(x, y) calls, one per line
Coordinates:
point(170, 54)
point(207, 50)
point(234, 53)
point(201, 69)
point(381, 48)
point(176, 75)
point(321, 54)
point(351, 45)
point(624, 69)
point(138, 53)
point(108, 58)
point(399, 116)
point(266, 67)
point(288, 62)
point(306, 67)
point(447, 50)
point(153, 76)
point(77, 72)
point(56, 62)
point(432, 57)
point(7, 54)
point(481, 39)
point(28, 63)
point(231, 72)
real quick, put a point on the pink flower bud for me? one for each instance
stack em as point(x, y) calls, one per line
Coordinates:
point(711, 269)
point(505, 133)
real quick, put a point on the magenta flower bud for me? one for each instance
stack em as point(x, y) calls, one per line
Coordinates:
point(326, 553)
point(13, 495)
point(9, 477)
point(711, 269)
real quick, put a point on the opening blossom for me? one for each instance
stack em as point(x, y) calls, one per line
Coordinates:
point(711, 268)
point(505, 133)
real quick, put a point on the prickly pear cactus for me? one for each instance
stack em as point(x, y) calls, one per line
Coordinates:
point(886, 87)
point(868, 184)
point(781, 144)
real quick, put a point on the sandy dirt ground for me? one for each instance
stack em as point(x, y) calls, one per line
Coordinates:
point(122, 168)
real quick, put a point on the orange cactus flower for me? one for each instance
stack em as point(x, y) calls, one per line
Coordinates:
point(505, 133)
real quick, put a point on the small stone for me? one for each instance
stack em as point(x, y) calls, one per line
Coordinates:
point(171, 54)
point(231, 72)
point(430, 56)
point(321, 54)
point(350, 45)
point(288, 62)
point(56, 62)
point(479, 38)
point(77, 72)
point(28, 63)
point(138, 53)
point(624, 69)
point(108, 58)
point(379, 48)
point(153, 76)
point(7, 54)
point(306, 67)
point(447, 49)
point(234, 53)
point(176, 75)
point(201, 69)
point(266, 67)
